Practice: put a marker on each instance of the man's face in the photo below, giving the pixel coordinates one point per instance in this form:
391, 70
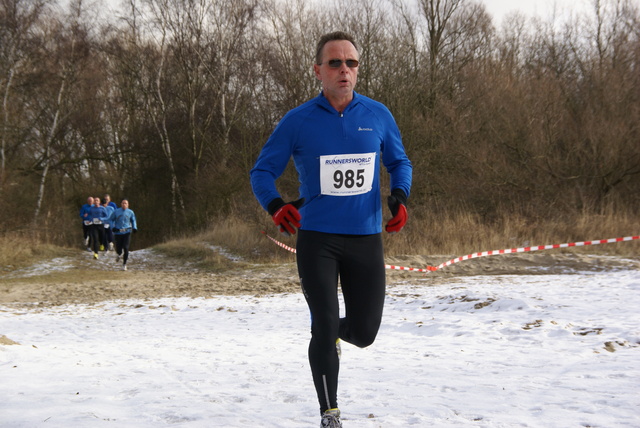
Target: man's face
125, 204
337, 83
96, 201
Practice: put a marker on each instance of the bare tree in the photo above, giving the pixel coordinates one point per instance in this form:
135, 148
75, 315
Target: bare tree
367, 21
438, 15
287, 53
156, 84
188, 24
172, 103
17, 18
230, 63
127, 54
64, 50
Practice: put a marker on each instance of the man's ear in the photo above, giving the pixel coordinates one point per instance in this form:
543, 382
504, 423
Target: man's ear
316, 70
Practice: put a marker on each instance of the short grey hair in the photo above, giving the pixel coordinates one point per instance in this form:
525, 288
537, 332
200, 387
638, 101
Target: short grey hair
329, 37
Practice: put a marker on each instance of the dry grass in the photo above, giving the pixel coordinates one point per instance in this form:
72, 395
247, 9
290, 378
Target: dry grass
214, 249
453, 235
248, 240
195, 251
21, 250
464, 233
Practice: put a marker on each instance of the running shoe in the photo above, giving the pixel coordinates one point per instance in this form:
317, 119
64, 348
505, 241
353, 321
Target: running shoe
124, 267
101, 247
331, 419
110, 246
95, 256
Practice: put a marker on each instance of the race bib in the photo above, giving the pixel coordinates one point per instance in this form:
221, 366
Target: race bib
347, 175
97, 221
87, 222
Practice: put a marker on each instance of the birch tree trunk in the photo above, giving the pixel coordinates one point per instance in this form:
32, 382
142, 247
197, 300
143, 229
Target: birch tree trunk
48, 141
159, 117
5, 124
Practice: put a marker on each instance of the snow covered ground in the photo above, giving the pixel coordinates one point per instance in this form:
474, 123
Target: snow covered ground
477, 351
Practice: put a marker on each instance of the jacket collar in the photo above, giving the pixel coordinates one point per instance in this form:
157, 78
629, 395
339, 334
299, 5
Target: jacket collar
324, 102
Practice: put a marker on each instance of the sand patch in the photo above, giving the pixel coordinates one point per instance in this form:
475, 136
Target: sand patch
81, 280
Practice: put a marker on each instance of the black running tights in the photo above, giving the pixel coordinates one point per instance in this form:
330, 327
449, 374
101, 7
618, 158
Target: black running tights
122, 245
96, 231
358, 262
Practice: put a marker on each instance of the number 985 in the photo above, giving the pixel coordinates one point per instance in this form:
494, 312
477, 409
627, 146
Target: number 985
349, 178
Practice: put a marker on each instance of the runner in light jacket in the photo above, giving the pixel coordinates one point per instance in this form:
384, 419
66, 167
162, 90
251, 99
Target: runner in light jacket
124, 223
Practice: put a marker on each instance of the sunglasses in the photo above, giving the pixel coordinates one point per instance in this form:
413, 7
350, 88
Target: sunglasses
337, 63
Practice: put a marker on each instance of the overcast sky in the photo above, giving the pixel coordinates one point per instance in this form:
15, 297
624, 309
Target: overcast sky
497, 8
542, 8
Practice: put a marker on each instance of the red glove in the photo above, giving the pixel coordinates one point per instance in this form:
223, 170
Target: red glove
286, 215
398, 221
397, 204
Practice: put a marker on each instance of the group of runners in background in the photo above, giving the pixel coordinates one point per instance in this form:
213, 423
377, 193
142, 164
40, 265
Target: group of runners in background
106, 227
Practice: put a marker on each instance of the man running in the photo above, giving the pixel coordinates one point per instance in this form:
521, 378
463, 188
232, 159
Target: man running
86, 221
124, 223
109, 208
337, 141
97, 215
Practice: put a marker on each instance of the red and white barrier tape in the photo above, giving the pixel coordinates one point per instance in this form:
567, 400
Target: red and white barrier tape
293, 250
535, 248
490, 253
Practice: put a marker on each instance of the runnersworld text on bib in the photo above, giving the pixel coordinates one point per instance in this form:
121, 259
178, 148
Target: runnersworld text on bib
347, 175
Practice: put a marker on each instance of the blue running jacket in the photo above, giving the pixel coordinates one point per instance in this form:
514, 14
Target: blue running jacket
337, 157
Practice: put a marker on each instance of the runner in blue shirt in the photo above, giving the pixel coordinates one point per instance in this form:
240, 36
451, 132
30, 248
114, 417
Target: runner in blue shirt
107, 199
108, 232
124, 223
97, 216
338, 140
86, 221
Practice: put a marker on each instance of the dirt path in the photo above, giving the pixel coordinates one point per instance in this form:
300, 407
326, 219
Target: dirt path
82, 280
